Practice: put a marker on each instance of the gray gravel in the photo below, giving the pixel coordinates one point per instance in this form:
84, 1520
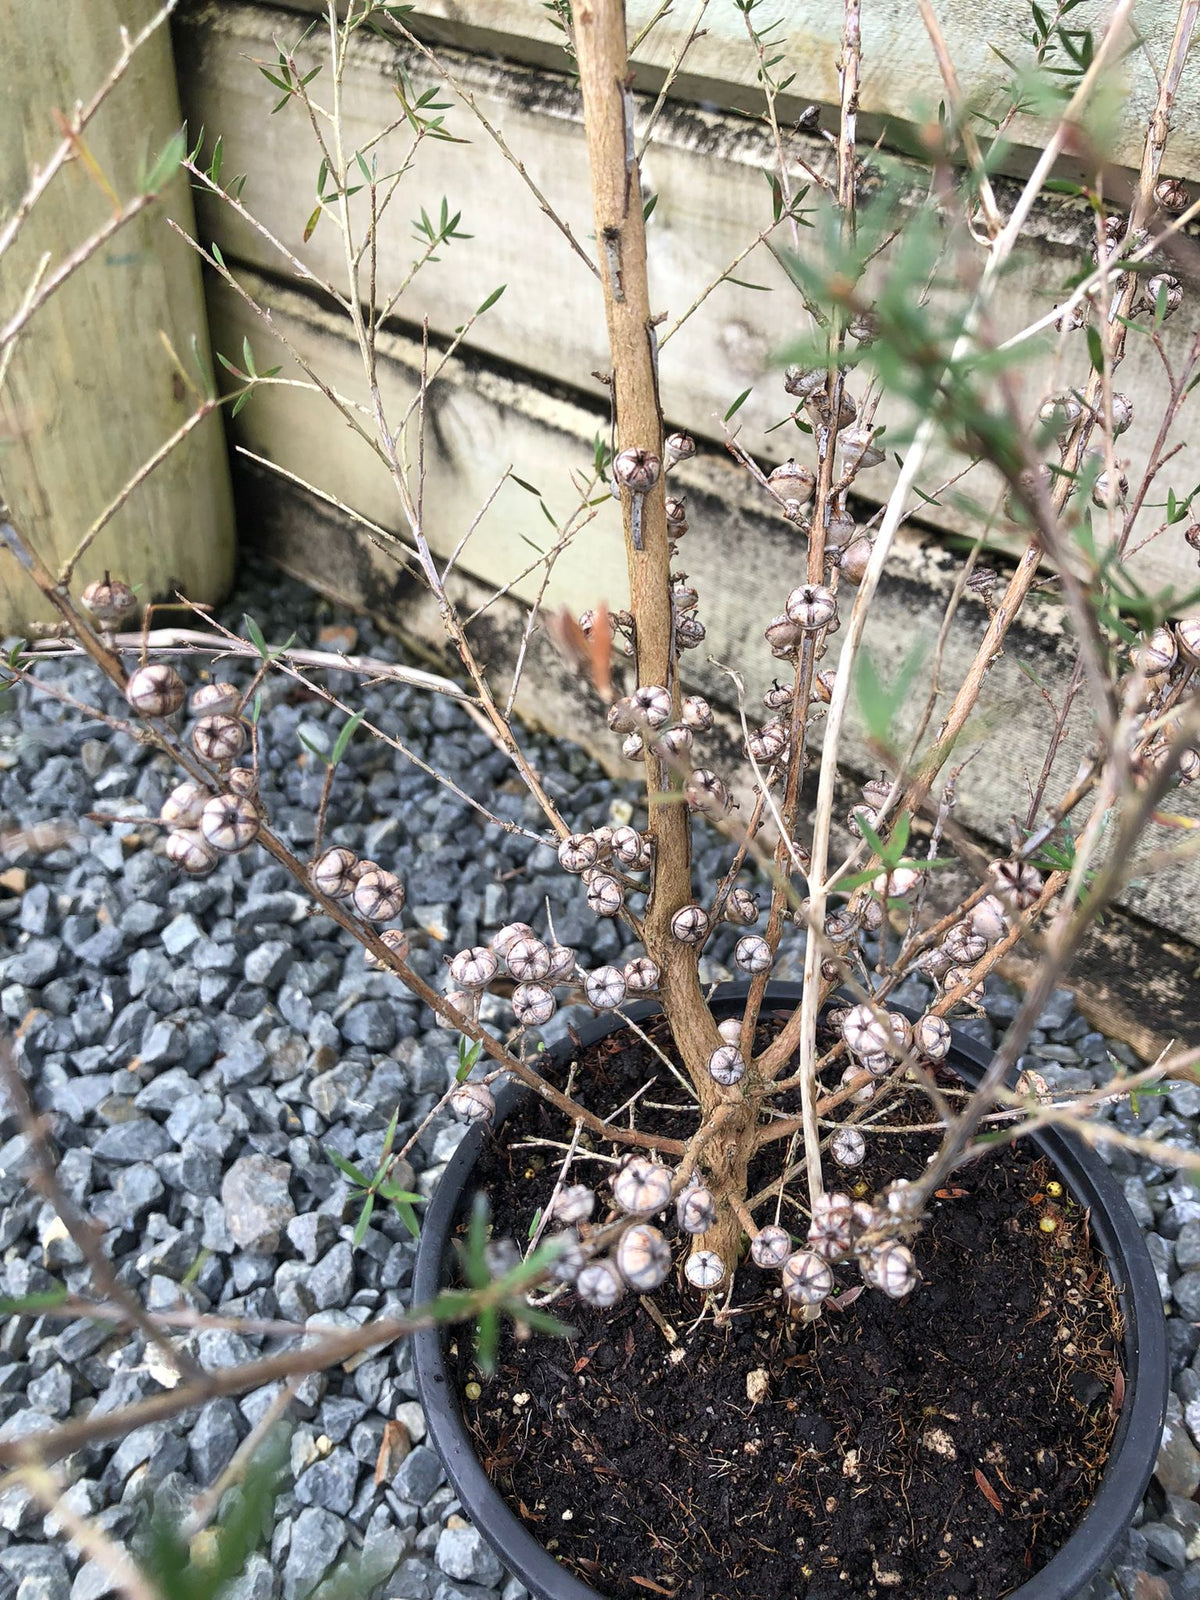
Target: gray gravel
197, 1045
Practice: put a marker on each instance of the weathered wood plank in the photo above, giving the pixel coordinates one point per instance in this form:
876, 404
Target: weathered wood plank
900, 79
706, 171
92, 392
741, 562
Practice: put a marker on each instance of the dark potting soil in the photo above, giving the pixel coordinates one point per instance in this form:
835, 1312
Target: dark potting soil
944, 1445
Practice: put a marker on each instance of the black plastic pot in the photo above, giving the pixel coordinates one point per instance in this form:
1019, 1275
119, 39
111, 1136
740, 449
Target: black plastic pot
1147, 1370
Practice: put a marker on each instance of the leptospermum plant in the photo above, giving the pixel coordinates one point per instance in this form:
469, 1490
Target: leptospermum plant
869, 344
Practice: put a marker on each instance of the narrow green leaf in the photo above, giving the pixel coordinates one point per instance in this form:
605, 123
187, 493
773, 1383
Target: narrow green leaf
167, 164
256, 636
348, 1168
491, 299
364, 1221
739, 403
310, 227
342, 743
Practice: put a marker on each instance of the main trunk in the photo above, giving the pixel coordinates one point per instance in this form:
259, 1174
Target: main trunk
600, 50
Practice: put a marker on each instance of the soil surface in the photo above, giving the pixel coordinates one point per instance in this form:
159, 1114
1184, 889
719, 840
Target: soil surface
944, 1445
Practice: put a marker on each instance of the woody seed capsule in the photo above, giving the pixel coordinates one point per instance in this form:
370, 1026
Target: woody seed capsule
242, 780
726, 1065
864, 1032
848, 1147
622, 717
858, 450
696, 713
577, 852
1110, 489
108, 600
730, 1029
678, 447
1171, 194
605, 988
806, 1278
182, 807
852, 563
831, 1230
643, 1257
1187, 637
705, 792
474, 968
637, 470
397, 942
931, 1035
891, 1268
1162, 286
690, 924
783, 635
1157, 655
768, 743
1016, 882
704, 1269
804, 381
696, 1209
509, 935
627, 846
690, 632
230, 822
863, 1094
741, 907
210, 698
753, 954
988, 919
473, 1102
675, 744
641, 976
642, 1186
562, 963
189, 850
574, 1203
633, 747
792, 481
379, 896
464, 1001
604, 894
528, 960
599, 1284
823, 684
155, 691
333, 873
811, 606
652, 705
770, 1246
533, 1005
219, 738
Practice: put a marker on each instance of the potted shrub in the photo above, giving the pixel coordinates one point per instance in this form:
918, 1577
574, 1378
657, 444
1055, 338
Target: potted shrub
795, 1209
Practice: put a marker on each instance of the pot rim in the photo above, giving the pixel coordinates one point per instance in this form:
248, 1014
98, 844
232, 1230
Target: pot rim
1139, 1428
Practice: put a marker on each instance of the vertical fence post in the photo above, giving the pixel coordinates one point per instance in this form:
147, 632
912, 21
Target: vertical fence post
93, 389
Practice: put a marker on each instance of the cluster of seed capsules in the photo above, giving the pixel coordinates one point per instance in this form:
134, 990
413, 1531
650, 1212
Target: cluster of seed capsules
1165, 659
538, 968
841, 1230
205, 821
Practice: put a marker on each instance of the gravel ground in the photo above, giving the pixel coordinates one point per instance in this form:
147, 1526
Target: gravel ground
198, 1044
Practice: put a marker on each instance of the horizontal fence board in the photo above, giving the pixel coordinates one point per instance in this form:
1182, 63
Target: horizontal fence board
901, 83
742, 563
705, 169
